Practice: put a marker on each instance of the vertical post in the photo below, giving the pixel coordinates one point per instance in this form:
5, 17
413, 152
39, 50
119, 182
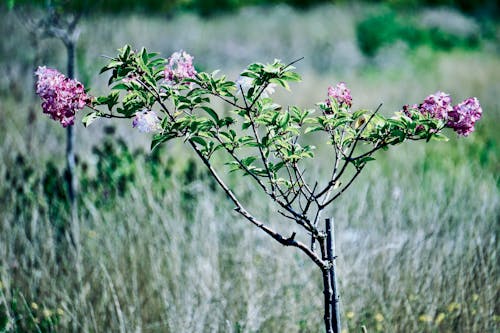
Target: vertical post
327, 289
330, 251
72, 182
70, 143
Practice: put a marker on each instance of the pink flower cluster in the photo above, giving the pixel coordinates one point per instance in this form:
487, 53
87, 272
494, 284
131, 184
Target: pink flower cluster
146, 121
461, 117
179, 67
464, 115
61, 96
341, 94
437, 105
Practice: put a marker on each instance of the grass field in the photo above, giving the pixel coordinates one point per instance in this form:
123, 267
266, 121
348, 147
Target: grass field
160, 250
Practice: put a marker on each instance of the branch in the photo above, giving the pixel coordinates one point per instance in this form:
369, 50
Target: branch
348, 158
358, 171
248, 171
262, 156
290, 241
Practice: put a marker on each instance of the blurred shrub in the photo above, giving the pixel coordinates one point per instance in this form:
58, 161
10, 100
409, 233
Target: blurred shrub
446, 28
441, 29
210, 7
378, 29
114, 171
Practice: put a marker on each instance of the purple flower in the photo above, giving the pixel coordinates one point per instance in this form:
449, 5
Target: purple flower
464, 115
437, 105
341, 94
409, 109
461, 118
146, 121
179, 67
61, 96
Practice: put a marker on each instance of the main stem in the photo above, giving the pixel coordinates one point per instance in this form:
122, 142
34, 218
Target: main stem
330, 251
330, 290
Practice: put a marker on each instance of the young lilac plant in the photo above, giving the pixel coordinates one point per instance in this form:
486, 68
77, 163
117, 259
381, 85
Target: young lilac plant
264, 140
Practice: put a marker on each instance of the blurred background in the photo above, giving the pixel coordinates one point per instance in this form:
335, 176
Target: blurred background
159, 248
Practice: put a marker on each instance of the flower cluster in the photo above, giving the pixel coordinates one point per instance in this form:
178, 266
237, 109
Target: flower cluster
464, 115
146, 121
244, 83
461, 117
341, 94
61, 96
437, 106
179, 67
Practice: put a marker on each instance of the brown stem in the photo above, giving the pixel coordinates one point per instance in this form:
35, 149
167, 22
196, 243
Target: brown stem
327, 290
330, 253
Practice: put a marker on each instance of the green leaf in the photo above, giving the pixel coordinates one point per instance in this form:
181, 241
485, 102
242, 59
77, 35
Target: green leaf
439, 137
246, 125
199, 140
313, 129
280, 82
212, 113
158, 139
227, 135
144, 56
366, 159
277, 166
292, 76
125, 52
120, 86
90, 118
284, 120
248, 160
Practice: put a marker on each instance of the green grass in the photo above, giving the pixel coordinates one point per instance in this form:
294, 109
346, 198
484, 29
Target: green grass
417, 235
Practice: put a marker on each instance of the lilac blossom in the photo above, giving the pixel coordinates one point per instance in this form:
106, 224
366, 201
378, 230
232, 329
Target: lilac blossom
61, 96
244, 83
464, 115
341, 94
409, 109
146, 121
461, 117
179, 67
437, 106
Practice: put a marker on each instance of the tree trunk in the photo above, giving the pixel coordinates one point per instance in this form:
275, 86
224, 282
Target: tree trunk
327, 291
71, 178
330, 251
330, 290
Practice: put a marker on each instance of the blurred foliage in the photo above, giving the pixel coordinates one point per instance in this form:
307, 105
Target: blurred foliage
385, 26
110, 177
210, 7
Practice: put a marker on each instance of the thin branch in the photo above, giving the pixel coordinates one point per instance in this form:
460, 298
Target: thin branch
262, 156
294, 62
290, 241
245, 168
358, 171
349, 157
